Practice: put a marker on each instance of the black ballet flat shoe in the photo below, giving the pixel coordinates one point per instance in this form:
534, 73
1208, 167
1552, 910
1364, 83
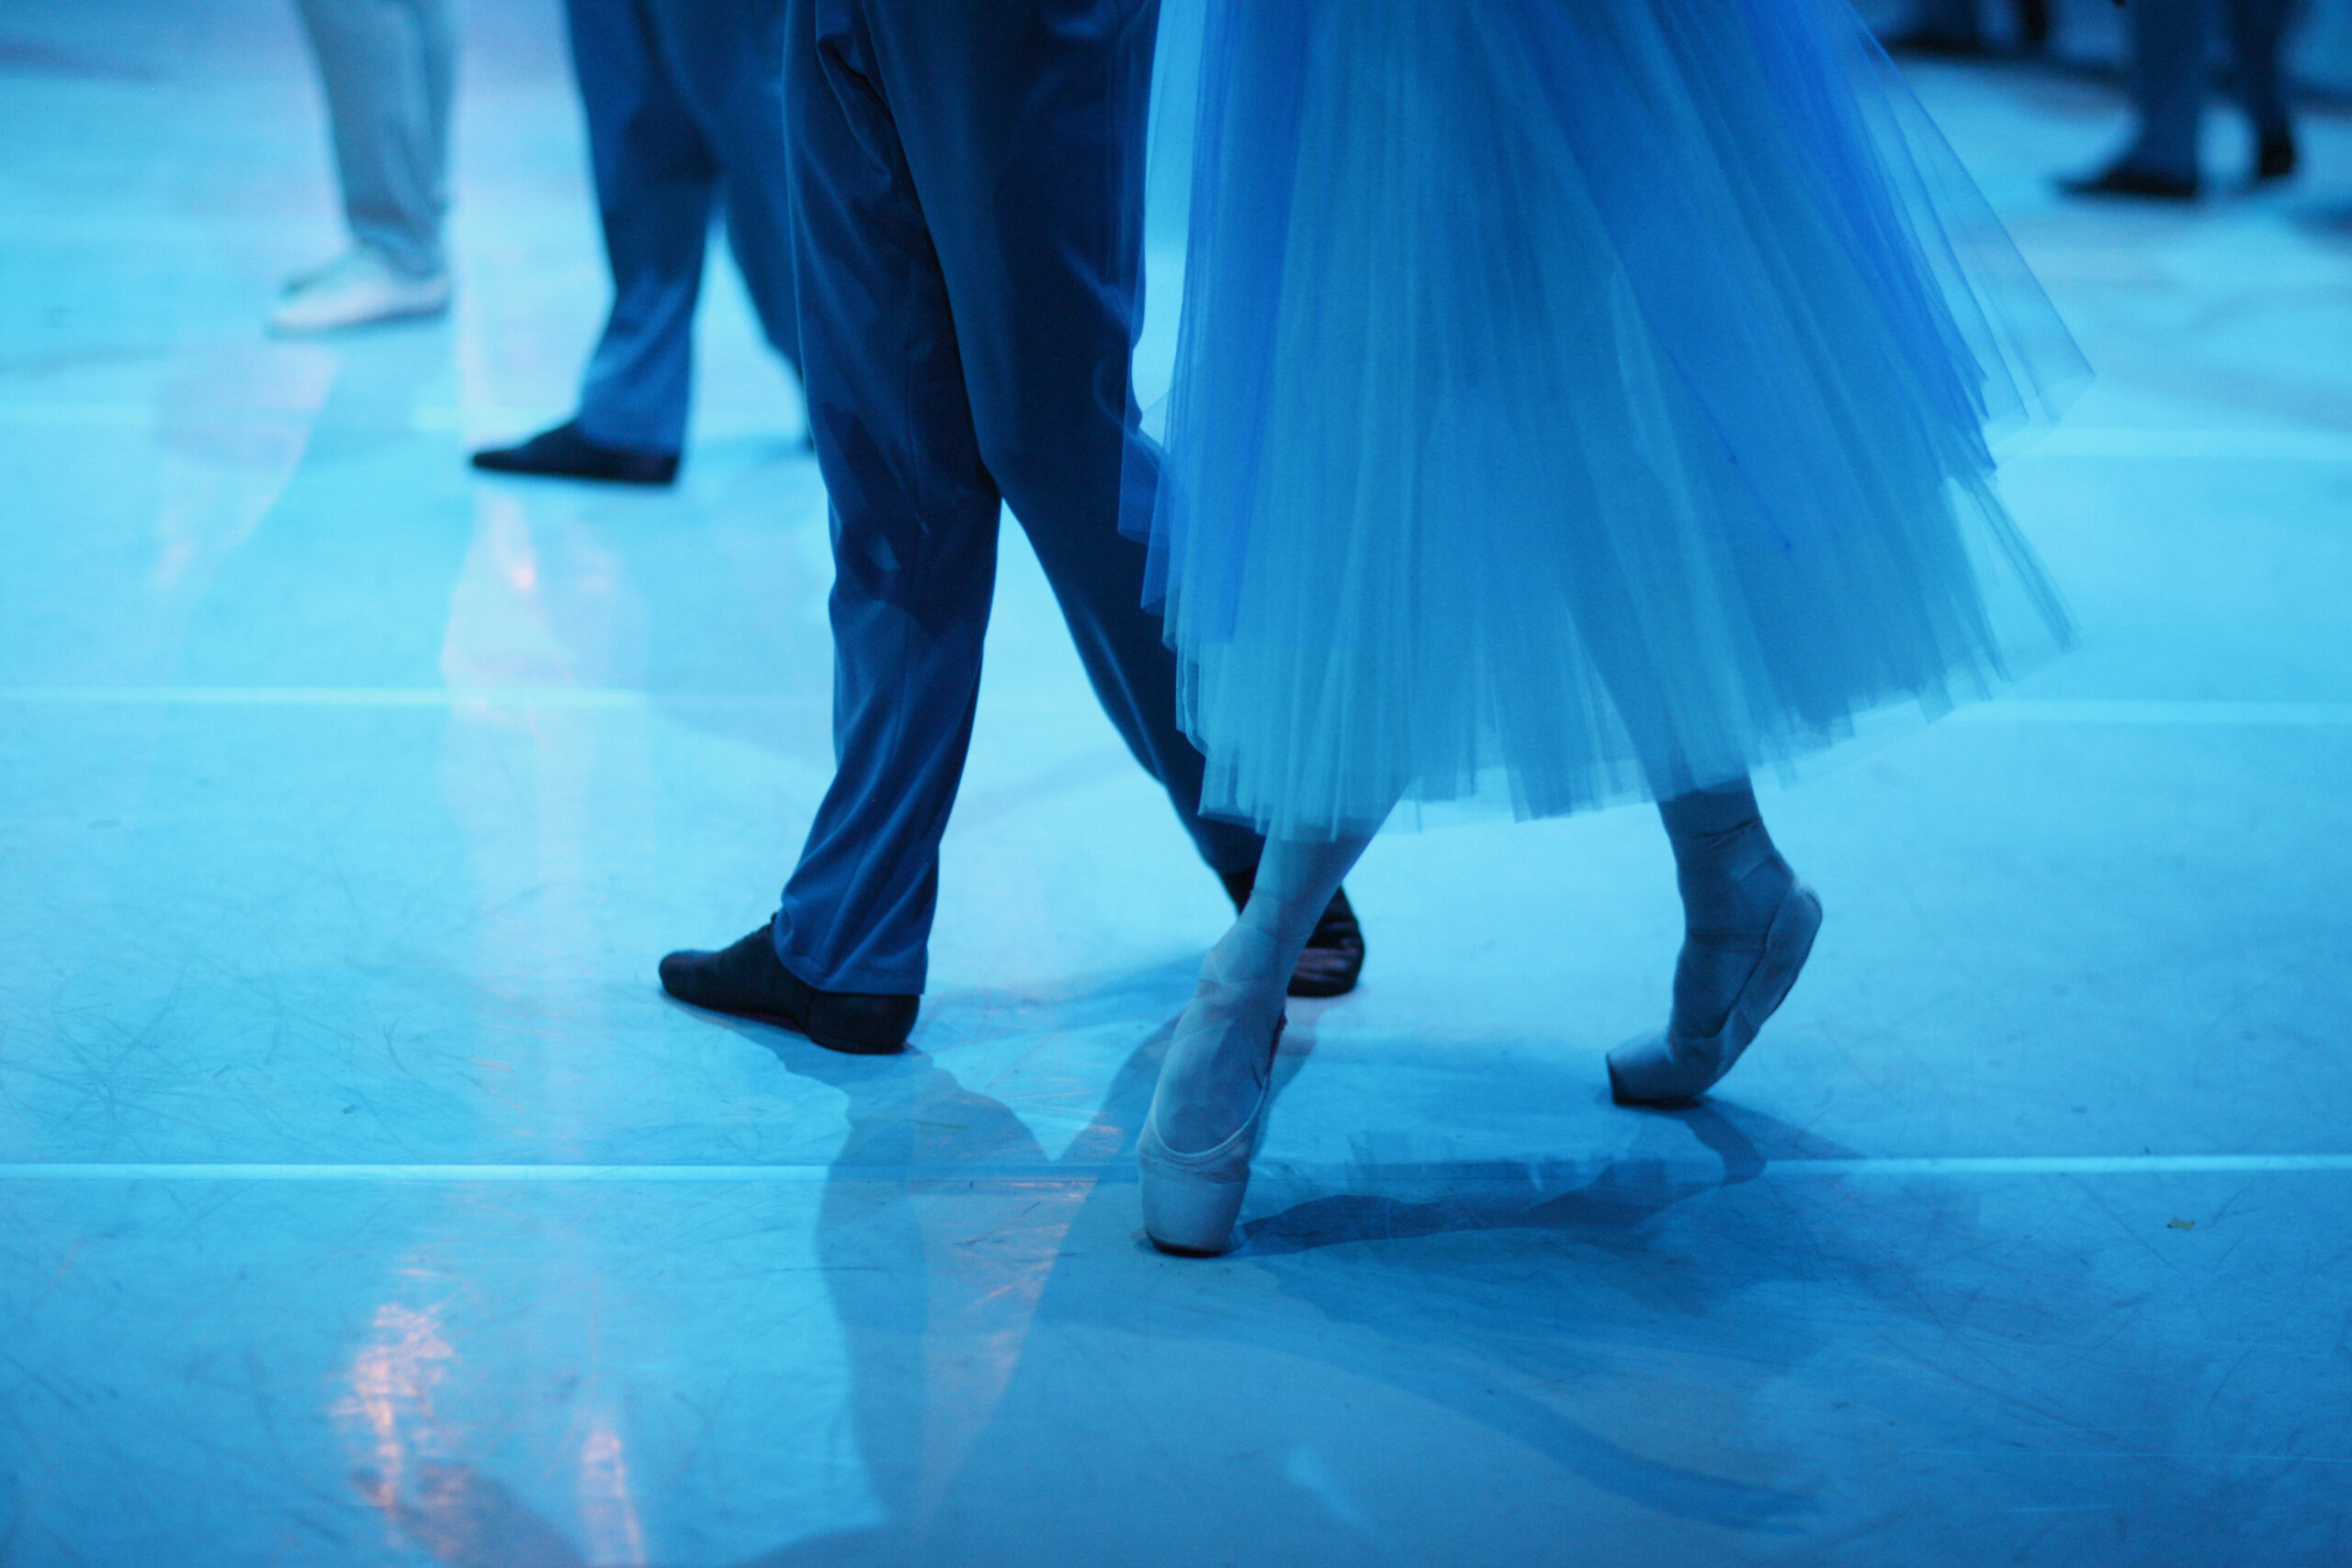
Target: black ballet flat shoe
1938, 43
2033, 23
564, 453
748, 980
1334, 958
2275, 156
2122, 179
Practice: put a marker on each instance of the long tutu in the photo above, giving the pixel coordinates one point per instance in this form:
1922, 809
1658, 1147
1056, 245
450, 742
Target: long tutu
1575, 400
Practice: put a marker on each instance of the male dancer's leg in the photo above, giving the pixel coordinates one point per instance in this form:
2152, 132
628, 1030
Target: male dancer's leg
726, 58
1026, 135
915, 518
2170, 40
2257, 29
656, 179
389, 70
1952, 24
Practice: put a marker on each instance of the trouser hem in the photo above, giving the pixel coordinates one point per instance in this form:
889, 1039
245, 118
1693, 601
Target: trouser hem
854, 980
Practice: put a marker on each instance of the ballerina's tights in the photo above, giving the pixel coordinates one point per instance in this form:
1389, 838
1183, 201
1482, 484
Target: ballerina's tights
1732, 880
1731, 877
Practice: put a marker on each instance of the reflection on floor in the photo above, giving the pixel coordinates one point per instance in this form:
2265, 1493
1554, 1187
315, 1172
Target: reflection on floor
364, 1204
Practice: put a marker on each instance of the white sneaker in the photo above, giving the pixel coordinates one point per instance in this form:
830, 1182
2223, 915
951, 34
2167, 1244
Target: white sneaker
356, 289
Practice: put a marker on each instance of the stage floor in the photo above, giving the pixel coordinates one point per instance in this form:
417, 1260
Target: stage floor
363, 1201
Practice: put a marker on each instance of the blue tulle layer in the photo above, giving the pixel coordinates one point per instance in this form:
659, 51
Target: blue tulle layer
1577, 399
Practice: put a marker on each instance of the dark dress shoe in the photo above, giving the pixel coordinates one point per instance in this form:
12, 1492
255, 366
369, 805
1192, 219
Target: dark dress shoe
2275, 157
749, 981
1334, 955
2033, 23
564, 453
2122, 179
1938, 43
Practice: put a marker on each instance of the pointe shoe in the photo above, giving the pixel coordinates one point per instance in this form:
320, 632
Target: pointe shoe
1189, 1200
1666, 1068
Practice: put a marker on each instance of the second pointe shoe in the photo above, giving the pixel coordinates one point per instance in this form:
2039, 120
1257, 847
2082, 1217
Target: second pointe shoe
1191, 1199
1669, 1068
748, 980
567, 454
1333, 961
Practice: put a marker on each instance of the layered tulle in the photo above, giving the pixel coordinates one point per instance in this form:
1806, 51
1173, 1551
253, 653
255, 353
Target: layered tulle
1577, 399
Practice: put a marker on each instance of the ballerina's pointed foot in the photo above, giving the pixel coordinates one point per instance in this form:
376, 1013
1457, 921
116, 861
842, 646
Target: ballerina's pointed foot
1672, 1066
1209, 1110
1189, 1200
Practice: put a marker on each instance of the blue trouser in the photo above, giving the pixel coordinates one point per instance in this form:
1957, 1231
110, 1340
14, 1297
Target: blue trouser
2171, 42
684, 98
1948, 18
969, 223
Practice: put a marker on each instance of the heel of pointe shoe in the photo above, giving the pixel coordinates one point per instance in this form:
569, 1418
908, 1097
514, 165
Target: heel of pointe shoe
1665, 1068
1189, 1200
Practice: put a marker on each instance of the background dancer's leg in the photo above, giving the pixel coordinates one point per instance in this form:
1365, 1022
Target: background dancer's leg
726, 60
2169, 82
2257, 29
389, 72
389, 67
657, 182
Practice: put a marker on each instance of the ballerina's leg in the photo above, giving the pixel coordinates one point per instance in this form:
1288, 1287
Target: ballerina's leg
1209, 1082
1732, 879
1210, 1106
1748, 928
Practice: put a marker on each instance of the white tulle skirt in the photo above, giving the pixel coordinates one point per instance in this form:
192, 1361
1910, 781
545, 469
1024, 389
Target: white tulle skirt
1575, 400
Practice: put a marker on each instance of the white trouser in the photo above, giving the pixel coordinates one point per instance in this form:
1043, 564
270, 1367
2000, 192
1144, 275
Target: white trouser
389, 67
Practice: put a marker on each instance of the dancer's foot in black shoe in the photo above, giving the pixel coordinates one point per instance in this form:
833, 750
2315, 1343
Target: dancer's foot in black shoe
2275, 156
2123, 179
564, 453
1334, 958
1939, 44
2033, 23
748, 980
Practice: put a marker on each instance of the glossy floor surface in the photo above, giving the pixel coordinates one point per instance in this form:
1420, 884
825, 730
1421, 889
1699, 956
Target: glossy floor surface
363, 1201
